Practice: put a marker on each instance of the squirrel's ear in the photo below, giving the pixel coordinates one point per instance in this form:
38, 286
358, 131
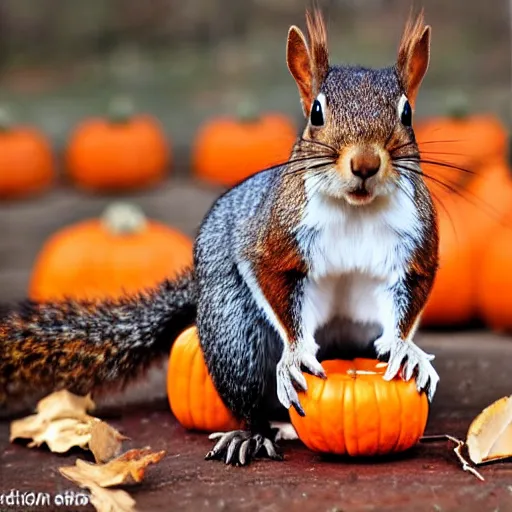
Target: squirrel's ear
299, 64
414, 56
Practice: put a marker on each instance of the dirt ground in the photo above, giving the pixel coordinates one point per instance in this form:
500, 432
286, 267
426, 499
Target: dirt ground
427, 478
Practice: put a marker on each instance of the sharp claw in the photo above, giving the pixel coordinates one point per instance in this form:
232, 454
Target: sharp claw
409, 370
223, 442
298, 378
312, 364
216, 435
258, 444
269, 447
298, 408
231, 450
242, 453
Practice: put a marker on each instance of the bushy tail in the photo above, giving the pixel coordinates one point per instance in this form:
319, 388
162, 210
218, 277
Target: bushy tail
84, 346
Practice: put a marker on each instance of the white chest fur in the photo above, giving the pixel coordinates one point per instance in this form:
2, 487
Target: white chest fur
357, 255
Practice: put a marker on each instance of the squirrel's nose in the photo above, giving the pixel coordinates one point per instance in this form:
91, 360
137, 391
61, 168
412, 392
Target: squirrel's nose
365, 163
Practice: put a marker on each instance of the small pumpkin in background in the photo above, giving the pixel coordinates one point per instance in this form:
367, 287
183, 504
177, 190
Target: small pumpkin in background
452, 300
229, 149
489, 199
356, 412
192, 396
26, 159
461, 139
121, 253
494, 281
121, 152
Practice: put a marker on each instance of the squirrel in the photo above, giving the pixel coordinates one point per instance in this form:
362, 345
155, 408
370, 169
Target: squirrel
345, 230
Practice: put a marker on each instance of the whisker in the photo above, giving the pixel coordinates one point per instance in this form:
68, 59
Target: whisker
420, 142
295, 160
319, 143
440, 163
401, 146
405, 191
468, 196
451, 187
441, 153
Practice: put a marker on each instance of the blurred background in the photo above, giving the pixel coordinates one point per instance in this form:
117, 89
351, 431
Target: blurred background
62, 61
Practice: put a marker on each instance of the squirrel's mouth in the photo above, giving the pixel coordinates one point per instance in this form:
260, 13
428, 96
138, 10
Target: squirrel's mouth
360, 195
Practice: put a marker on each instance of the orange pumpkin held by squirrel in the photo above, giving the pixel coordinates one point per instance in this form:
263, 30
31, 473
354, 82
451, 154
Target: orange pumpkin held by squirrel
26, 159
121, 152
356, 412
229, 149
121, 253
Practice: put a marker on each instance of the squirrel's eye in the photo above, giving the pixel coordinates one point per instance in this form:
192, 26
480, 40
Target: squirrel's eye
317, 114
405, 111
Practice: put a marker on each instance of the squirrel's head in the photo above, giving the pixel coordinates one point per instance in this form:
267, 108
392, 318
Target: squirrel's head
359, 121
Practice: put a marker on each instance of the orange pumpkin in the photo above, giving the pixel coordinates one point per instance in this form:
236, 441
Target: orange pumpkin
227, 150
356, 412
26, 160
121, 253
489, 198
460, 139
192, 395
494, 280
452, 300
122, 152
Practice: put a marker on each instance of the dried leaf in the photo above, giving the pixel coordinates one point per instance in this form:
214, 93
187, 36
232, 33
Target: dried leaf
105, 442
62, 434
128, 468
63, 404
62, 422
103, 500
111, 500
490, 434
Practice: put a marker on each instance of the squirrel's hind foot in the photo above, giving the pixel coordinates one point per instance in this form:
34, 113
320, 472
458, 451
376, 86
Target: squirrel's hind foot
239, 447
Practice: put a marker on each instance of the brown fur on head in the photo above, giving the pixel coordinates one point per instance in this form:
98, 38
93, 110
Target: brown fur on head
414, 54
358, 117
308, 64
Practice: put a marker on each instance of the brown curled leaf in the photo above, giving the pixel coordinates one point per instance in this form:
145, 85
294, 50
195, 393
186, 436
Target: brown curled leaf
489, 436
128, 468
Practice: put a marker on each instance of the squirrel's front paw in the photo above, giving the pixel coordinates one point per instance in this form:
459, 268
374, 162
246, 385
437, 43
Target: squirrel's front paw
411, 359
290, 377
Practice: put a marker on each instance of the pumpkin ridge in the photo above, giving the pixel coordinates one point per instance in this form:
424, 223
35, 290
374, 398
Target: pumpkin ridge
355, 399
323, 424
190, 389
315, 433
190, 367
379, 422
397, 442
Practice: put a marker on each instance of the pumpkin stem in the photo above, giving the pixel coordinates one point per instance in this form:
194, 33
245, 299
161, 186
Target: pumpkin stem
123, 219
120, 109
247, 112
5, 119
457, 106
